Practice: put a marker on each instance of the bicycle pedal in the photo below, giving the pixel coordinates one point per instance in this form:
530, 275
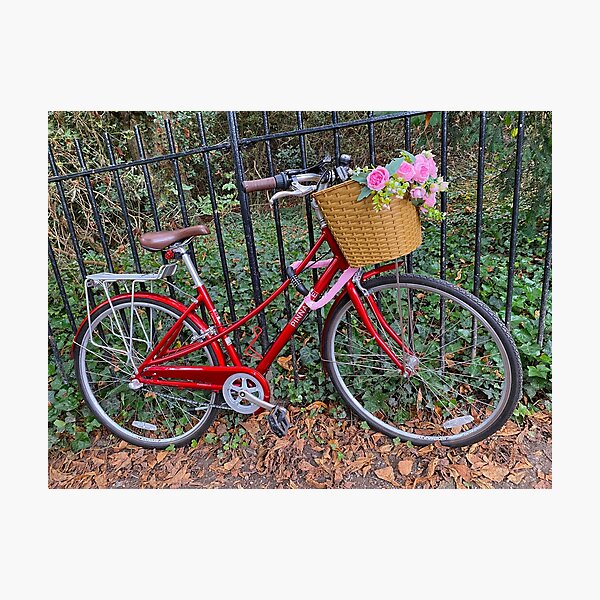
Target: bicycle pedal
278, 421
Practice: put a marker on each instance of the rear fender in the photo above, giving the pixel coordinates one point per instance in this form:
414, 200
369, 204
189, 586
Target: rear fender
178, 306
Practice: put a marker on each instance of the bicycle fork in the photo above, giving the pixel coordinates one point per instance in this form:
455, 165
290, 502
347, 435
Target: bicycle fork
411, 362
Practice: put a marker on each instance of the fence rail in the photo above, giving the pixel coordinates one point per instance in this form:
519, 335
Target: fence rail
236, 146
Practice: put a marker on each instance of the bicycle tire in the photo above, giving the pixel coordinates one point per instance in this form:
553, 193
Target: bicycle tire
102, 323
342, 378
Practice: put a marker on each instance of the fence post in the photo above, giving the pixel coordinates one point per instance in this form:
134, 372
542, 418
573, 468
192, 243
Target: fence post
56, 353
546, 281
515, 219
238, 166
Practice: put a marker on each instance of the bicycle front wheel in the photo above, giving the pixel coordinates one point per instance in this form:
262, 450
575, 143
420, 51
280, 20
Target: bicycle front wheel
466, 373
111, 344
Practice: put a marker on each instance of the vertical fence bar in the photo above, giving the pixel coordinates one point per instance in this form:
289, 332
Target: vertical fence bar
67, 213
97, 220
407, 134
56, 353
336, 138
178, 184
151, 199
123, 205
443, 233
478, 223
94, 207
372, 156
515, 219
72, 235
61, 288
309, 221
280, 246
147, 179
479, 211
546, 281
247, 223
408, 262
444, 195
218, 232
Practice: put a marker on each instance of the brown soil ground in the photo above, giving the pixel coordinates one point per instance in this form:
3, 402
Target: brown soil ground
319, 451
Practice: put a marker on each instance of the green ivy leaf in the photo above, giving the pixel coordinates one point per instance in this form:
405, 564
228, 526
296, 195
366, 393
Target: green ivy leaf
538, 371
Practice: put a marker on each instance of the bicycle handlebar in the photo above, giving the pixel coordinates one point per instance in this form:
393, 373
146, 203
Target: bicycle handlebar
279, 182
283, 181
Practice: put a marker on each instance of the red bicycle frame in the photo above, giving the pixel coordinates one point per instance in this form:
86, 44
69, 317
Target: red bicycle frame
155, 371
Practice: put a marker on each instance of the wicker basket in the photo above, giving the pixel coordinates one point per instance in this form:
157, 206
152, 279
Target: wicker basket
364, 235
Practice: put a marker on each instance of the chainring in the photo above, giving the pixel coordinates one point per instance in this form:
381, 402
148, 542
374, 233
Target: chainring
242, 382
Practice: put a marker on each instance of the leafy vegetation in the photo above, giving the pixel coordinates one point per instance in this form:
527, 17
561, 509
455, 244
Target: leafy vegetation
70, 423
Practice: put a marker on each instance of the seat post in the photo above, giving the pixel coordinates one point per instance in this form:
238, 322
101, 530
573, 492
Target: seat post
187, 259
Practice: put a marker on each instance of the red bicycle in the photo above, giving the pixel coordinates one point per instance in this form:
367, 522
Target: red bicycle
417, 358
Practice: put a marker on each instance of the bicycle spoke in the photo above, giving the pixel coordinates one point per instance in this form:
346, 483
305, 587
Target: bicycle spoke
152, 411
452, 376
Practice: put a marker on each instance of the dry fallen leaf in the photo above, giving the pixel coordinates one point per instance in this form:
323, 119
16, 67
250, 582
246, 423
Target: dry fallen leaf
516, 478
524, 464
405, 467
285, 362
359, 463
431, 467
475, 461
251, 426
462, 470
386, 474
543, 485
509, 429
228, 466
494, 472
314, 483
304, 465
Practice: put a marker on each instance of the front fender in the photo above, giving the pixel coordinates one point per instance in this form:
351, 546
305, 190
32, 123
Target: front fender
175, 304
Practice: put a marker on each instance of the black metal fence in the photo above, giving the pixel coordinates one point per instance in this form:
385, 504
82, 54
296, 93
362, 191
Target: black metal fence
236, 146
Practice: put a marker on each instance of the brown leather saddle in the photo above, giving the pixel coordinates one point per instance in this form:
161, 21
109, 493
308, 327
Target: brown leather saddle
159, 240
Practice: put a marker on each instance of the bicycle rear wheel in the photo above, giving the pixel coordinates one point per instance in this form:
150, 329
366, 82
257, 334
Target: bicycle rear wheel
467, 377
116, 339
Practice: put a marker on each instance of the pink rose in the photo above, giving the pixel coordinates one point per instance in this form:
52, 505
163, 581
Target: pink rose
417, 192
433, 188
443, 186
377, 178
421, 169
430, 200
432, 167
406, 171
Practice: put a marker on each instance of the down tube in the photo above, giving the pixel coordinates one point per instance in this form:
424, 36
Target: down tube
337, 264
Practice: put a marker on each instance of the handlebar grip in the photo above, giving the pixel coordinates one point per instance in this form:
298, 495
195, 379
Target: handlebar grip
280, 182
257, 185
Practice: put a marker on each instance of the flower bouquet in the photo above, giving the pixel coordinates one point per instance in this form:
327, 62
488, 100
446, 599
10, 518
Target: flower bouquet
417, 175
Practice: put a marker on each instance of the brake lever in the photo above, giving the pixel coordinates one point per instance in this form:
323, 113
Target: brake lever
298, 190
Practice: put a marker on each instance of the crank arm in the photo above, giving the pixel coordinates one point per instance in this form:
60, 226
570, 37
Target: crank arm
255, 400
